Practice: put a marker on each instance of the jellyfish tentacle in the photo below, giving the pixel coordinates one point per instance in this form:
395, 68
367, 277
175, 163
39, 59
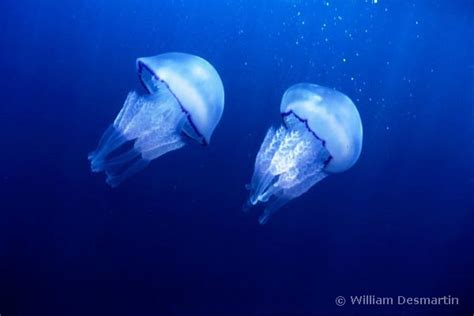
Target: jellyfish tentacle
109, 135
114, 179
110, 141
271, 208
123, 158
265, 182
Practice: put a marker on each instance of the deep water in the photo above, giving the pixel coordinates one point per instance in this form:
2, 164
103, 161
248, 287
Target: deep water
172, 240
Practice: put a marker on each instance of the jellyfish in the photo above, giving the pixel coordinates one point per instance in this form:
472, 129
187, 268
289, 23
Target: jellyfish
184, 103
321, 134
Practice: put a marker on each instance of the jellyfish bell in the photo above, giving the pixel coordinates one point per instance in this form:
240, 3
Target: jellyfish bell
195, 84
321, 134
185, 103
331, 116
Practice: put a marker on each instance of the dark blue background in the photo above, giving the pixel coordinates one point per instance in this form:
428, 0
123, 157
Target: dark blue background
172, 240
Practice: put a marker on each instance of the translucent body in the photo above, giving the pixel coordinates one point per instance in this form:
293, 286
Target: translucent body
152, 125
332, 116
322, 134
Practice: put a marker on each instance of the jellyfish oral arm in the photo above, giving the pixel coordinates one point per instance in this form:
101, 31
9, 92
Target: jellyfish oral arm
290, 161
146, 128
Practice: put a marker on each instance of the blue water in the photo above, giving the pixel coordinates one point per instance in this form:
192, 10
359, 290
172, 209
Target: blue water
172, 240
